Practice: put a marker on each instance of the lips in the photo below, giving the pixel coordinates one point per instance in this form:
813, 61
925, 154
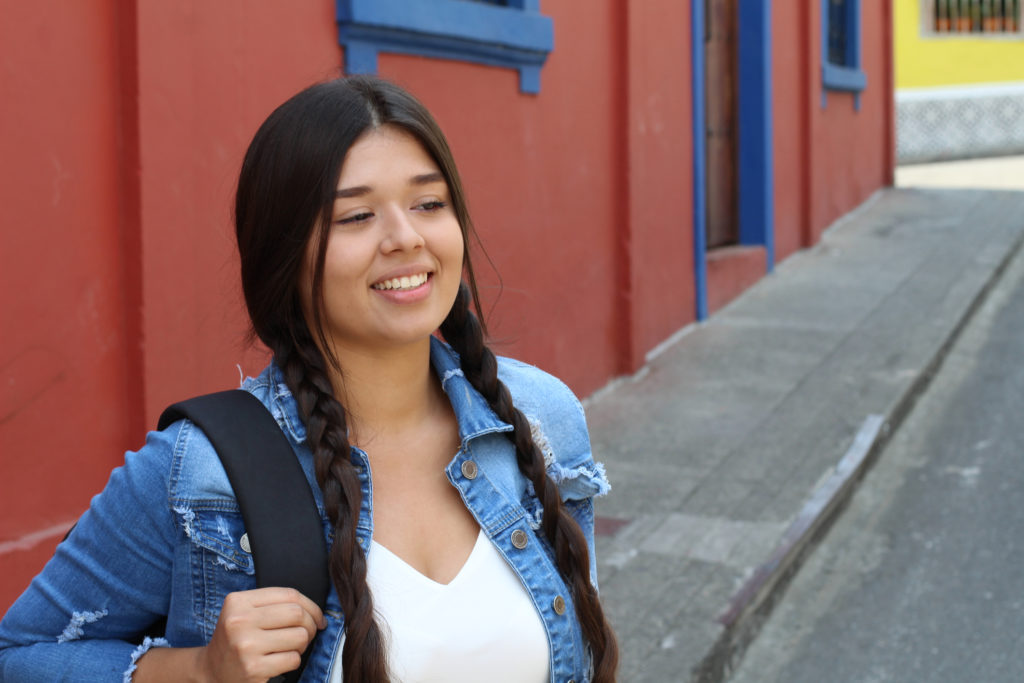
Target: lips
406, 282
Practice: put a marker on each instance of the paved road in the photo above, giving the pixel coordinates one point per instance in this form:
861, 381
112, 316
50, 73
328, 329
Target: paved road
922, 578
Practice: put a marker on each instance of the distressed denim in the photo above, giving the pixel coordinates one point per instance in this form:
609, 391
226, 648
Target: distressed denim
164, 536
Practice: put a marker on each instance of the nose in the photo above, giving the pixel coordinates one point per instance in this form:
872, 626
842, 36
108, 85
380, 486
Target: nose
400, 232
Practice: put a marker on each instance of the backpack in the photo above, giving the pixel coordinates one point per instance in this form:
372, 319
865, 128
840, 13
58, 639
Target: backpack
278, 509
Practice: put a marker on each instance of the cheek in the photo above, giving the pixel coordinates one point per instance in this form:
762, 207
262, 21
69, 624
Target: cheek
455, 246
347, 260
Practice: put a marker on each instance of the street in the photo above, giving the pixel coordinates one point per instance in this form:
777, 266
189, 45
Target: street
920, 578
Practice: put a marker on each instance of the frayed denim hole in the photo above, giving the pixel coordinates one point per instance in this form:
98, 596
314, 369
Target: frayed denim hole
188, 516
531, 505
75, 628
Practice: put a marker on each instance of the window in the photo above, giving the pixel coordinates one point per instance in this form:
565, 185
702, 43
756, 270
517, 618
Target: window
840, 48
980, 18
506, 33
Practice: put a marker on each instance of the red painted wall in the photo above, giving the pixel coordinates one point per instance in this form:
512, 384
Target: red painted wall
827, 160
122, 130
846, 171
64, 390
141, 288
794, 70
209, 74
660, 174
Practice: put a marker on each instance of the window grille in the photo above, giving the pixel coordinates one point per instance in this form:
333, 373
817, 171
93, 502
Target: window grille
976, 17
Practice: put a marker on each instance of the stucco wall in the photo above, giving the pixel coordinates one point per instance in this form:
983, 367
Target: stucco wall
123, 127
831, 153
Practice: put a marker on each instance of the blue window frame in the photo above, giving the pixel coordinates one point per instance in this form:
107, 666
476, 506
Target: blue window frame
507, 33
840, 49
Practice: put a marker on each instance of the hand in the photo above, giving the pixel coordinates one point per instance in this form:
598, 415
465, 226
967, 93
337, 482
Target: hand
260, 634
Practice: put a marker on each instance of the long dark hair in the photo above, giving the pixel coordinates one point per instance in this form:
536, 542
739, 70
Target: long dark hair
285, 197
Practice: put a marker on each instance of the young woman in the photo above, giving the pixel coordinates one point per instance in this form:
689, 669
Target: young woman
455, 487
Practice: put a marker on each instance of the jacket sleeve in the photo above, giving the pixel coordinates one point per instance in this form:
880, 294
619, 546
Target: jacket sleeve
82, 617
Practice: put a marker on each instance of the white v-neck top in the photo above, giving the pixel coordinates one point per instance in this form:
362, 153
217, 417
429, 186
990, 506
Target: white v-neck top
482, 626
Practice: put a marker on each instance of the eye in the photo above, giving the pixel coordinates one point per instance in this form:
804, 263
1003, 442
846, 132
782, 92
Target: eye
431, 205
360, 217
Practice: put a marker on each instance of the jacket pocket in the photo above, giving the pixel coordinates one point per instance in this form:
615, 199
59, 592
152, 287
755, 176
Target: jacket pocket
220, 559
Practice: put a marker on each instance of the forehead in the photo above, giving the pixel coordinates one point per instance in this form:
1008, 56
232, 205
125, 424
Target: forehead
385, 154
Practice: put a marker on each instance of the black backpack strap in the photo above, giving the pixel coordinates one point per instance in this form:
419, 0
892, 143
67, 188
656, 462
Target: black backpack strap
277, 505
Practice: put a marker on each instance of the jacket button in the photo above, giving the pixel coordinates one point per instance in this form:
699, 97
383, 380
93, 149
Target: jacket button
559, 604
519, 538
469, 469
244, 542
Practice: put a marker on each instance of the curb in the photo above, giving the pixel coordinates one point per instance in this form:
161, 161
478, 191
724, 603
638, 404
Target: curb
753, 603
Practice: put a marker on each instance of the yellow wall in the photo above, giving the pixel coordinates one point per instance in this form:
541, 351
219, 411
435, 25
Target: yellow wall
923, 61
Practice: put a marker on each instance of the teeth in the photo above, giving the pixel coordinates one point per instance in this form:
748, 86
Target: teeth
410, 282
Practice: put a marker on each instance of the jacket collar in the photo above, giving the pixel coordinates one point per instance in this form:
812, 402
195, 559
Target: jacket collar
474, 416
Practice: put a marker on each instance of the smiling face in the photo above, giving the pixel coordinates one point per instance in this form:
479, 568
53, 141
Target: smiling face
393, 259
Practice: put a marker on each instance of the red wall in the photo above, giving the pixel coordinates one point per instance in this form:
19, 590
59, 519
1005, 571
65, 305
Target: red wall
796, 78
209, 74
123, 127
122, 132
660, 175
64, 389
827, 160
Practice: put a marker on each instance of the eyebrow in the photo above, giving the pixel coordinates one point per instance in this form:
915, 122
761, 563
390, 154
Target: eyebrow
360, 190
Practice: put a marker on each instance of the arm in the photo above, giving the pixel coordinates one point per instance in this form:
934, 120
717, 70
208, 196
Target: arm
260, 634
81, 618
106, 583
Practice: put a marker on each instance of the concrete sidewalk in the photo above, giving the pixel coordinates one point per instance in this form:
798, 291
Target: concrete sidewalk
733, 448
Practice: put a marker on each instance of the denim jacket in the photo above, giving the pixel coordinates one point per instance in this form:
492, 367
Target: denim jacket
165, 535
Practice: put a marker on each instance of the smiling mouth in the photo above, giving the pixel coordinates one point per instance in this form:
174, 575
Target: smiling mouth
402, 283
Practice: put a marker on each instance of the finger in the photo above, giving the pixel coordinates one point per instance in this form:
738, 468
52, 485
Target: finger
278, 663
293, 639
285, 615
276, 594
256, 644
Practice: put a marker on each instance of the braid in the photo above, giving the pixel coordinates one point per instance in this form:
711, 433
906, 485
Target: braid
362, 658
463, 331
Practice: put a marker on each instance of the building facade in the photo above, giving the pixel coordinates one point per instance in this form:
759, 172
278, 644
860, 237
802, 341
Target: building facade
630, 168
959, 79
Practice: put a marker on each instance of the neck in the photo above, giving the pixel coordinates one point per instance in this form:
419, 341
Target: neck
386, 391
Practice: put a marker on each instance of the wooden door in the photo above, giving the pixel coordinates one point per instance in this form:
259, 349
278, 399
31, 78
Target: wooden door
720, 49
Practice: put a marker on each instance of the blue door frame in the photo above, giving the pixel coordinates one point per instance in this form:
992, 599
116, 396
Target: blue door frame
755, 172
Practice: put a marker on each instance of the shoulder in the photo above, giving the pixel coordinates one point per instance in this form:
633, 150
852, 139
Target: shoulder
196, 470
558, 426
530, 383
272, 390
546, 399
